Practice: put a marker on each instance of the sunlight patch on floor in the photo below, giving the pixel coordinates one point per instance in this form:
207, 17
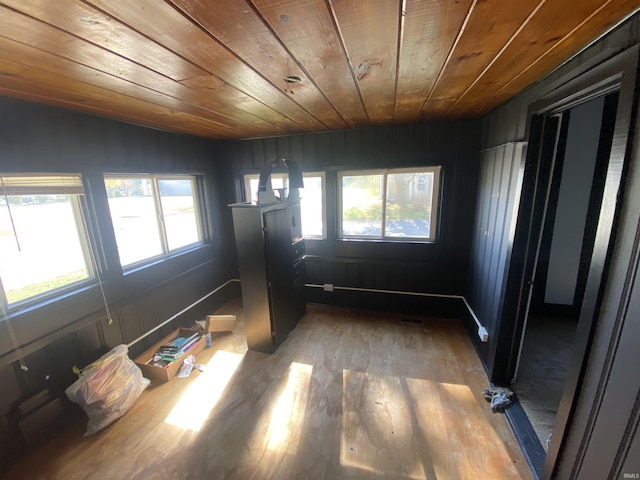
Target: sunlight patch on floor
377, 426
437, 416
289, 410
195, 406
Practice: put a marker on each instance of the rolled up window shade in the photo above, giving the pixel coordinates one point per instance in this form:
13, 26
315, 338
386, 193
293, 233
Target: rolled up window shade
41, 185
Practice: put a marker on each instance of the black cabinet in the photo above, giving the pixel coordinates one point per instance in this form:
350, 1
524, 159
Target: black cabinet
271, 260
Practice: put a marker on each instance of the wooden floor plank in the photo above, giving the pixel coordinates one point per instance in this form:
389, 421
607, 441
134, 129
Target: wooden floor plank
349, 394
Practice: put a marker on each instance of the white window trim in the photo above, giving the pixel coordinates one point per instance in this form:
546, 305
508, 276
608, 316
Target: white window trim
246, 179
53, 184
155, 177
435, 203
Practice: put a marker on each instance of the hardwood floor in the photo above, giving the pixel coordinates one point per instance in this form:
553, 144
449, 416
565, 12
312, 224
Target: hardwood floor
349, 394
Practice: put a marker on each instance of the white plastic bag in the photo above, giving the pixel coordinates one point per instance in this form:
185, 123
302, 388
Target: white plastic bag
107, 388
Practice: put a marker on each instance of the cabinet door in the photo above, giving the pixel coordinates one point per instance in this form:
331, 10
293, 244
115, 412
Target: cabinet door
278, 252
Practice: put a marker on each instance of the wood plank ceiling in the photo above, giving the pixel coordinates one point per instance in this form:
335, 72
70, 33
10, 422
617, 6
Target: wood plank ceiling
216, 68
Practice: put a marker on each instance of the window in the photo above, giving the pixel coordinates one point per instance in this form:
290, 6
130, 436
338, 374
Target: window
152, 215
390, 204
44, 247
312, 200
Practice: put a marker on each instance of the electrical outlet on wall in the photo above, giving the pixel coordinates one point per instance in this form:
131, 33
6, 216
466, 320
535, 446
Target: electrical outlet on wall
483, 334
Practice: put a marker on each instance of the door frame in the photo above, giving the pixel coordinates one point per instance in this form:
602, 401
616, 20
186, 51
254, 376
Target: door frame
615, 74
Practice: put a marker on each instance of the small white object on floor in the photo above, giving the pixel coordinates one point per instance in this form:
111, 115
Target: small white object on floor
187, 366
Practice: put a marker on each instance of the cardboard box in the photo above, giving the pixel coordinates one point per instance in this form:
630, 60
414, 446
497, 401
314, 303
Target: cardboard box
218, 323
164, 374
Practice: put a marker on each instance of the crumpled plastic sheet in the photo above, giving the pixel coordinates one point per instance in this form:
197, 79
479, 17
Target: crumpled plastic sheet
107, 388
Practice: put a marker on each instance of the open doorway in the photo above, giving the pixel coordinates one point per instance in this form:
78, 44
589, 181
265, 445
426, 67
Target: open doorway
612, 82
577, 143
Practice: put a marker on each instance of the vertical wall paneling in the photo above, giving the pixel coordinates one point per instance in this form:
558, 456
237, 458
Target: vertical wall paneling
369, 152
257, 154
296, 149
73, 330
352, 150
418, 143
271, 150
502, 193
508, 199
129, 317
498, 194
245, 155
113, 332
385, 149
492, 233
480, 232
401, 142
323, 151
439, 267
283, 148
338, 148
11, 390
65, 354
91, 343
310, 151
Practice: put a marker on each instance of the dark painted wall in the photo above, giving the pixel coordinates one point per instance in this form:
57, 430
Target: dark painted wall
435, 268
499, 184
603, 428
74, 330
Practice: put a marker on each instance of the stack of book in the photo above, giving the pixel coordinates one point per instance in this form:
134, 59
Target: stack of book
176, 348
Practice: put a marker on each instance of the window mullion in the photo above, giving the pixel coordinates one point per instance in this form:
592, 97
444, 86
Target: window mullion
160, 215
200, 208
4, 302
83, 234
384, 205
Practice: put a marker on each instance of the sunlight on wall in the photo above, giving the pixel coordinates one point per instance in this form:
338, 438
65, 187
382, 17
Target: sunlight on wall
290, 408
196, 404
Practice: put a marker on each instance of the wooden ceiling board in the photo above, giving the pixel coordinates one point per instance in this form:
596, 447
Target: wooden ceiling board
307, 30
496, 26
550, 46
430, 29
43, 36
370, 32
236, 25
166, 25
69, 56
58, 69
20, 78
52, 97
211, 88
217, 68
87, 23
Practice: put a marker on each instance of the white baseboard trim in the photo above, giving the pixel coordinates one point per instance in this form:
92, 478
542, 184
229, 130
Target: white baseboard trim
201, 299
483, 334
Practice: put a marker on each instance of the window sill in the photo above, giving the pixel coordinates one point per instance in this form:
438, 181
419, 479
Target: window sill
416, 241
160, 259
54, 298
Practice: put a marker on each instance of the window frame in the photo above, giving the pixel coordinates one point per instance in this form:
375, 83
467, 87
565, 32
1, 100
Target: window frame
434, 225
159, 215
80, 211
246, 185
